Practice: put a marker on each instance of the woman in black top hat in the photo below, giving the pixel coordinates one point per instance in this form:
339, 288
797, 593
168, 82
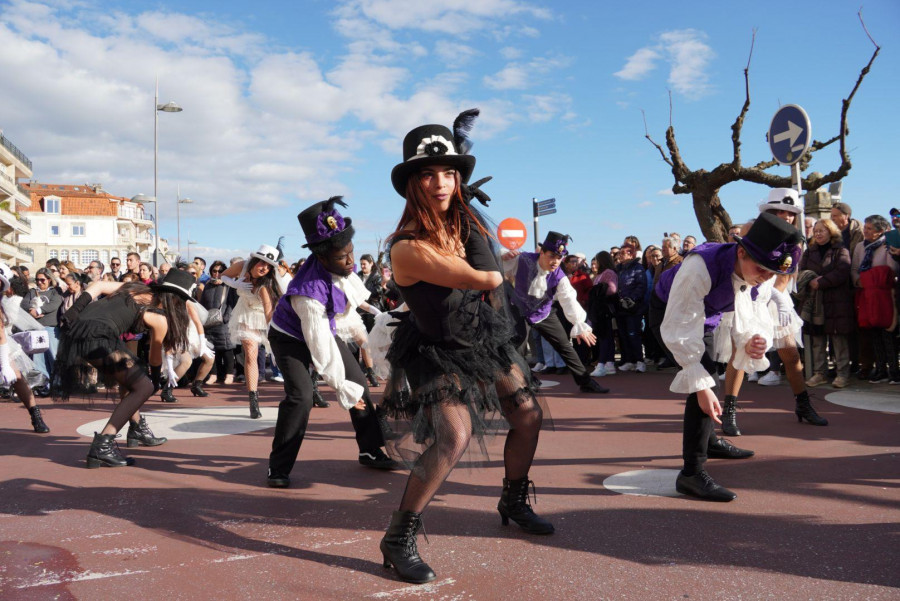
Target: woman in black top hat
92, 339
454, 348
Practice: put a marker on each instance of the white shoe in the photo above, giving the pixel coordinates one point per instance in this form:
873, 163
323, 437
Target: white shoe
627, 367
640, 367
538, 368
753, 377
722, 376
610, 368
770, 379
599, 371
277, 379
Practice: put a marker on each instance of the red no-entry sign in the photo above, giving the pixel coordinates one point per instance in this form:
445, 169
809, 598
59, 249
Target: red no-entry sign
511, 233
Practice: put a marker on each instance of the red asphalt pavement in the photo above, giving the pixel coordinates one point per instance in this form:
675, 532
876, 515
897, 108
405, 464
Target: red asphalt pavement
817, 515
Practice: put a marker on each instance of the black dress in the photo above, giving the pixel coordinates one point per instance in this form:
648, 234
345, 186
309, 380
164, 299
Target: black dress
94, 340
453, 346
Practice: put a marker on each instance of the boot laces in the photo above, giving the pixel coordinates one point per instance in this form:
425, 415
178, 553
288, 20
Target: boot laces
523, 495
412, 529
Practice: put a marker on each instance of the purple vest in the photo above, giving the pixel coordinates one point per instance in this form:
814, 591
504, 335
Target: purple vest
534, 309
315, 282
720, 260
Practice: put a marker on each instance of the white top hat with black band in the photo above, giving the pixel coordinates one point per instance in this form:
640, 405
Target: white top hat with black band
267, 253
782, 199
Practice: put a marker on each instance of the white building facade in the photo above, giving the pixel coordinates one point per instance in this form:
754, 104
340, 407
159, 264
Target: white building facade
14, 202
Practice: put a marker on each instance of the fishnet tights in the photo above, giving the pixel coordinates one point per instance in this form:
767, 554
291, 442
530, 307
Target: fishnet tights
453, 430
251, 370
134, 387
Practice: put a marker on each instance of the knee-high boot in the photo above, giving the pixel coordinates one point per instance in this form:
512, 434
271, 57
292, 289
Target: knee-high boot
729, 417
255, 413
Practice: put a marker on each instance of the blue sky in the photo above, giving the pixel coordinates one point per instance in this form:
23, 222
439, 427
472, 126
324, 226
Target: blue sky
288, 103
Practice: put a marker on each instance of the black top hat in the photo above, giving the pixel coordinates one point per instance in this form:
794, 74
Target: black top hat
436, 145
556, 242
178, 282
322, 221
773, 243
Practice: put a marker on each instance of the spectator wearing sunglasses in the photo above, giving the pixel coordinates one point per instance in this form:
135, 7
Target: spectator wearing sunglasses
115, 268
216, 295
42, 302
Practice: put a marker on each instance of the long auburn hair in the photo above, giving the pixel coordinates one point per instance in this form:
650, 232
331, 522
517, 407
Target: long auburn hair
443, 232
173, 306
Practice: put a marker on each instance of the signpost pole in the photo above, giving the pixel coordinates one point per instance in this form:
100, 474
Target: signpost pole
537, 238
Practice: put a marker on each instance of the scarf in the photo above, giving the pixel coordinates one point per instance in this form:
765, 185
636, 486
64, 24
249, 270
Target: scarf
869, 250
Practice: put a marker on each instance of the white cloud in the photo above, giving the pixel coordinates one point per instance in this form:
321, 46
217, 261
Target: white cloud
546, 107
456, 17
688, 56
665, 192
645, 204
510, 53
454, 53
519, 76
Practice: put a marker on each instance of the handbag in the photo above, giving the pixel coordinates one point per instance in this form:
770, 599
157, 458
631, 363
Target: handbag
33, 342
214, 317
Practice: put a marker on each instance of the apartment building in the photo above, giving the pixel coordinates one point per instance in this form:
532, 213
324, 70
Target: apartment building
15, 201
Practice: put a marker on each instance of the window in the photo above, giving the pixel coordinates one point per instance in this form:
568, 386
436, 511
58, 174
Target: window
64, 255
104, 257
78, 229
74, 257
51, 204
54, 254
90, 255
54, 230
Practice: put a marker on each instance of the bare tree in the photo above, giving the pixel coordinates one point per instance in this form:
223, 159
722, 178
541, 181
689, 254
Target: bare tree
704, 186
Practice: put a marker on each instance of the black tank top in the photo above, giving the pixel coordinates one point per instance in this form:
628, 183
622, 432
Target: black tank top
119, 312
445, 315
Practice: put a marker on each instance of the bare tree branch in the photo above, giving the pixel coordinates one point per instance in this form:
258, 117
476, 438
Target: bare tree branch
739, 122
658, 147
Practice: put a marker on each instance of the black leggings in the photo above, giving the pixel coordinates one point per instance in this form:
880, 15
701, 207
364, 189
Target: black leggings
224, 364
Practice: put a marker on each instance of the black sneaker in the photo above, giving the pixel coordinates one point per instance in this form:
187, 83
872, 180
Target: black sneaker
377, 459
593, 386
723, 449
878, 377
275, 480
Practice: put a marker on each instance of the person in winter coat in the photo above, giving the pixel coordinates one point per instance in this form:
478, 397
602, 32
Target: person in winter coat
832, 315
216, 295
42, 302
632, 306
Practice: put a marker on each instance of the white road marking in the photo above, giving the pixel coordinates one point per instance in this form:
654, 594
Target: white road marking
197, 422
870, 401
417, 590
643, 483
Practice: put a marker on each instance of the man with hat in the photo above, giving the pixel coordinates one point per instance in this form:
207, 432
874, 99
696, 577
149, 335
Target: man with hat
539, 281
717, 287
302, 332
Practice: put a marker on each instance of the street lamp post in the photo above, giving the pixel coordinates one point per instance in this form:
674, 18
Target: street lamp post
180, 201
189, 242
169, 107
142, 198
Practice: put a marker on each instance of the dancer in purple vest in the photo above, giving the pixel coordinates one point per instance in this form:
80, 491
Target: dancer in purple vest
539, 282
716, 288
302, 332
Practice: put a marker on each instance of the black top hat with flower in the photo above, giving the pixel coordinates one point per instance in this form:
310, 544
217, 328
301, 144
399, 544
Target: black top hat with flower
556, 243
436, 145
773, 243
177, 281
322, 222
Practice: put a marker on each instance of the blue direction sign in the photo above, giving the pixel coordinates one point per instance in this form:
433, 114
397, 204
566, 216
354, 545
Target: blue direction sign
790, 134
544, 207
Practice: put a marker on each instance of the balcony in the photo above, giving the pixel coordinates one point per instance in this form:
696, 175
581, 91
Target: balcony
15, 151
7, 217
16, 252
10, 189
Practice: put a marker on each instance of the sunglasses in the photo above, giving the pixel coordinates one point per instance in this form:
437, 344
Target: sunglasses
215, 271
115, 264
41, 280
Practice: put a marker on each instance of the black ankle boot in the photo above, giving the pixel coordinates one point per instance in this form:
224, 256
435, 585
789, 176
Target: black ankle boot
197, 388
729, 417
514, 506
166, 395
370, 377
255, 413
139, 433
105, 452
805, 411
37, 422
400, 550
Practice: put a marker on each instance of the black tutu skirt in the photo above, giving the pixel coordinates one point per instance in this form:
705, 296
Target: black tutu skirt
89, 352
487, 375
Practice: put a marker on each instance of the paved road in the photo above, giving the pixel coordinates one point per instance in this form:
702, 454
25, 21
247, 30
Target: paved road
817, 516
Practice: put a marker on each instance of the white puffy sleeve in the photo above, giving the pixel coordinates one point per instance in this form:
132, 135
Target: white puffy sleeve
355, 290
682, 326
574, 312
323, 348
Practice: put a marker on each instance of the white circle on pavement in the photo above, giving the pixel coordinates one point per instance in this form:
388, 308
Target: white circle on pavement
644, 483
549, 383
870, 401
197, 422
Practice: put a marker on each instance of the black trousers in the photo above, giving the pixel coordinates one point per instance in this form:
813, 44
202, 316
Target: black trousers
293, 359
698, 430
553, 332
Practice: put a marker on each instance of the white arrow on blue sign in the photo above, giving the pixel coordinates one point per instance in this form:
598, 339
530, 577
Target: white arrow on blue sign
790, 134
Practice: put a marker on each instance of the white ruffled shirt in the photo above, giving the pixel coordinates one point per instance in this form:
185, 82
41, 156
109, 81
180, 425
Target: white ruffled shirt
683, 325
323, 348
565, 295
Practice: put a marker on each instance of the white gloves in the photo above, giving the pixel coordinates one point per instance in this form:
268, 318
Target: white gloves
205, 351
171, 376
373, 310
236, 284
7, 373
785, 306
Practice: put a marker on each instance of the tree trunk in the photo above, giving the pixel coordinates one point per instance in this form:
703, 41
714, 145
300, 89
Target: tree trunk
711, 215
